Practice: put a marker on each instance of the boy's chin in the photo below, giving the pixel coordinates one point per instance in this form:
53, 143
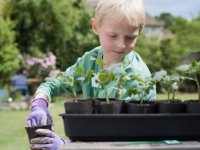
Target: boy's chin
117, 59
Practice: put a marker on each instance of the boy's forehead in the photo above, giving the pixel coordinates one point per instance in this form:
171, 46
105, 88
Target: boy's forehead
120, 20
127, 32
112, 24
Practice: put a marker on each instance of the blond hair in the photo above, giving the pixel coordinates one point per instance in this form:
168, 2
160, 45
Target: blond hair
131, 10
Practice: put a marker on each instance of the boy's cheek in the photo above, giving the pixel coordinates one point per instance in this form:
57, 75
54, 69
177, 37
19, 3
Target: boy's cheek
107, 45
132, 45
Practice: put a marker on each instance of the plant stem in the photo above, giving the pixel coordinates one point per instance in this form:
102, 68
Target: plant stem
141, 101
168, 93
173, 94
106, 95
97, 92
118, 90
74, 96
142, 98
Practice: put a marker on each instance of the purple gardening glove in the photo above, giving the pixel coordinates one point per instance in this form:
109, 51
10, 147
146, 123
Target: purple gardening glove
49, 141
39, 114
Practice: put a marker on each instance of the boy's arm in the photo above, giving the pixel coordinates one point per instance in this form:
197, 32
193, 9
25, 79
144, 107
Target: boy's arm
39, 107
54, 86
40, 95
39, 114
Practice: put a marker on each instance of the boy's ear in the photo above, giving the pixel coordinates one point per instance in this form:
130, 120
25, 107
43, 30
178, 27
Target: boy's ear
94, 26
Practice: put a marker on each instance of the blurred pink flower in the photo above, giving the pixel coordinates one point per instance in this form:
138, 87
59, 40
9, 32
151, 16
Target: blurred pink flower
30, 62
47, 64
52, 58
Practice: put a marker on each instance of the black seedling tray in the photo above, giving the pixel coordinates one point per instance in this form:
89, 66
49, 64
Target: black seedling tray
131, 127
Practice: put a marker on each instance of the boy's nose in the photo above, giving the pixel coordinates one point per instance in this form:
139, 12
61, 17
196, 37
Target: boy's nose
121, 44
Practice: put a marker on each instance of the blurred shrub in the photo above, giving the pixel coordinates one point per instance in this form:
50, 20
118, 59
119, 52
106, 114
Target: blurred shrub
160, 53
8, 50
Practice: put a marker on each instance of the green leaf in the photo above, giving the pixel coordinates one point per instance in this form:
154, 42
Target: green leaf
60, 74
88, 76
133, 91
111, 76
159, 75
103, 77
100, 62
79, 70
124, 79
183, 68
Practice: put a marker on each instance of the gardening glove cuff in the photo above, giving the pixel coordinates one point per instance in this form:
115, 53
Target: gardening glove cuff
40, 102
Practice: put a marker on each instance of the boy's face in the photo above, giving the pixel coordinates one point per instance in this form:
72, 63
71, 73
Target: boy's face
117, 38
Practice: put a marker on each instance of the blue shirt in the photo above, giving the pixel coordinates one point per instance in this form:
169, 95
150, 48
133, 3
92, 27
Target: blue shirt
19, 82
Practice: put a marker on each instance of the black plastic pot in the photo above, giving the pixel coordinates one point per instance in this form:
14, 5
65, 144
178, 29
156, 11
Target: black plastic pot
114, 107
171, 106
80, 107
192, 106
134, 107
31, 130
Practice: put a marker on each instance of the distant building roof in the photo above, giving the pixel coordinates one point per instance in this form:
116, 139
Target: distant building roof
150, 21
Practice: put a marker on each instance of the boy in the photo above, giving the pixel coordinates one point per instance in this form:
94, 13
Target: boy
118, 24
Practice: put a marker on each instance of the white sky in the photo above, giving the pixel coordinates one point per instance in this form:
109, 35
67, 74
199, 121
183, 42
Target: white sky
184, 8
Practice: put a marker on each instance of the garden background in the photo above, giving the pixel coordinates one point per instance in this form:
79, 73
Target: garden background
43, 37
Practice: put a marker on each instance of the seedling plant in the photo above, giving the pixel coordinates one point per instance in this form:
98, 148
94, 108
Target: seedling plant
192, 71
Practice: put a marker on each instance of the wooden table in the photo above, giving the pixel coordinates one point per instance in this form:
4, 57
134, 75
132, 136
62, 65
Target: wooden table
154, 145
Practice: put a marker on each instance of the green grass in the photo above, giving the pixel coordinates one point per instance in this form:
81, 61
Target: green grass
182, 96
12, 132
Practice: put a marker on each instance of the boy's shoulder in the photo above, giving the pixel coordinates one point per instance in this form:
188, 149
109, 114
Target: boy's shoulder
134, 63
95, 53
88, 57
133, 56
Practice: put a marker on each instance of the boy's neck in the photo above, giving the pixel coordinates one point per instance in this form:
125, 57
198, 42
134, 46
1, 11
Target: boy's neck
109, 62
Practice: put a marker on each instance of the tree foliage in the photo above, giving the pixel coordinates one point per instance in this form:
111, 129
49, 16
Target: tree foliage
168, 53
186, 32
8, 50
159, 54
167, 18
50, 25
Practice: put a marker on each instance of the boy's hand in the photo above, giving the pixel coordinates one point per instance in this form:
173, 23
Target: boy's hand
50, 141
39, 114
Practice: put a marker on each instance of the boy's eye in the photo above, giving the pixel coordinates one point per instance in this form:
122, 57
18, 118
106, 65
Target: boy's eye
113, 36
130, 37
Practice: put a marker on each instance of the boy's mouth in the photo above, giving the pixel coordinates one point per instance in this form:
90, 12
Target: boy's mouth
118, 52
